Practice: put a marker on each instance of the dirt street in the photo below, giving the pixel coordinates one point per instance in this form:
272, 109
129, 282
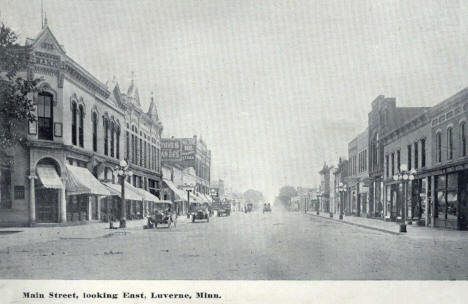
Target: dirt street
255, 246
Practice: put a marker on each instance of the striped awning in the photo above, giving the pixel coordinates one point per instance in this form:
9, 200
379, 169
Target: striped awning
179, 194
145, 194
116, 189
81, 181
49, 177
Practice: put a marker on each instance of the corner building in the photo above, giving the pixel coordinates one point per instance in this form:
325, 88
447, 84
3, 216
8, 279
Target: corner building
82, 123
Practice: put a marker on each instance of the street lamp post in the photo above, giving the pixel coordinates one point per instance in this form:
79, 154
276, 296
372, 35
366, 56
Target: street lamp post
404, 177
188, 188
122, 171
318, 202
342, 189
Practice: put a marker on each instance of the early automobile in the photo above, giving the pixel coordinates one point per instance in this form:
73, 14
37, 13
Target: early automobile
249, 207
198, 211
266, 208
224, 209
162, 215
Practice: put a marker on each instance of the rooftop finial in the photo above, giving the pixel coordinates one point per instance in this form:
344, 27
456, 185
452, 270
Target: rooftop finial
45, 19
152, 93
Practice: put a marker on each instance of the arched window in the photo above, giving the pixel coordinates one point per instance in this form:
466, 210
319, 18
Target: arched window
94, 118
450, 143
106, 136
74, 112
80, 127
45, 116
117, 145
127, 135
439, 147
463, 139
112, 130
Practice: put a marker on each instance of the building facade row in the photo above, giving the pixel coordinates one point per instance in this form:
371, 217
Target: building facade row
410, 163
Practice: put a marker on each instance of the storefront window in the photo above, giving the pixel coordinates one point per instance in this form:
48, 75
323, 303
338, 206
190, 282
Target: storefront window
5, 188
452, 205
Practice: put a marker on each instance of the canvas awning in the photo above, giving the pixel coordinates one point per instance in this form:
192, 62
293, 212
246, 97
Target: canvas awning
145, 194
49, 177
179, 194
81, 181
208, 198
116, 189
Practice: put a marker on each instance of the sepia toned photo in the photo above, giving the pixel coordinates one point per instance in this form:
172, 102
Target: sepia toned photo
232, 140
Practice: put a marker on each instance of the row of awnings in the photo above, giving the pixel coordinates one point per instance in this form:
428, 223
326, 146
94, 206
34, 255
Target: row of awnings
181, 195
81, 181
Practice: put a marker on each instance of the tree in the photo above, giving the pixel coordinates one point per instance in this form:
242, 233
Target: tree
253, 196
15, 105
286, 193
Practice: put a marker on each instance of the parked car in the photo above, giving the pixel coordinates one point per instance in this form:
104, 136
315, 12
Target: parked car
199, 212
209, 208
162, 215
266, 208
224, 209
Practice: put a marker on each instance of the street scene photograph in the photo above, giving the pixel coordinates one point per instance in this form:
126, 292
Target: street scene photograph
233, 140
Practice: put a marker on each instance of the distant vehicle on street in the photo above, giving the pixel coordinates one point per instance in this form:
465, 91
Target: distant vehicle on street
209, 208
248, 207
162, 215
224, 209
198, 211
266, 208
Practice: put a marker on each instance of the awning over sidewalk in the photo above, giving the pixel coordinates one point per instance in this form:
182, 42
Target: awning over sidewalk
145, 194
179, 194
49, 177
116, 189
81, 181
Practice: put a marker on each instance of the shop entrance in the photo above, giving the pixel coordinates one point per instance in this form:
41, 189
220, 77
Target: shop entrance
463, 200
47, 205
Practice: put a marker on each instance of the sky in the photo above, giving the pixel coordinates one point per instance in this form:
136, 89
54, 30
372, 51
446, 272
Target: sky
275, 88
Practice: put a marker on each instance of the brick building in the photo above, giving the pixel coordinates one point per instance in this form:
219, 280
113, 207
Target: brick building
186, 153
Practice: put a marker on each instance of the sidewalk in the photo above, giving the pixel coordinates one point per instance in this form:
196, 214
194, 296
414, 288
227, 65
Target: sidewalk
27, 235
413, 231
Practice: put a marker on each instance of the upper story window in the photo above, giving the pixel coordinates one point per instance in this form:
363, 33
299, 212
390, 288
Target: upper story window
117, 145
393, 163
106, 136
409, 157
80, 127
416, 155
439, 146
95, 125
450, 143
398, 154
45, 116
463, 139
112, 131
73, 130
423, 153
387, 168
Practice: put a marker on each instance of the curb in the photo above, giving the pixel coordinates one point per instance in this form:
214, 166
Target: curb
355, 224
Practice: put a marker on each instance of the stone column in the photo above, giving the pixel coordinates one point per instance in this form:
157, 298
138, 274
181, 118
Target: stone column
98, 206
433, 194
63, 202
90, 206
427, 204
32, 199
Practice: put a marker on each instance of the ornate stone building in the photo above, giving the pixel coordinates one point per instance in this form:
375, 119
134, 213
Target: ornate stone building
84, 128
